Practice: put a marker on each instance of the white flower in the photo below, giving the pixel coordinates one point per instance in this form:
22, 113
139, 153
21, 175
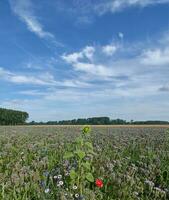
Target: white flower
159, 190
136, 193
59, 176
47, 190
150, 183
67, 174
60, 182
76, 195
74, 187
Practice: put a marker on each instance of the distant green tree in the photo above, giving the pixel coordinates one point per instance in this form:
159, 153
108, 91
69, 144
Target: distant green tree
12, 117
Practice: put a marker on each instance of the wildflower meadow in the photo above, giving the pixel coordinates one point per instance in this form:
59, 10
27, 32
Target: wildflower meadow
84, 163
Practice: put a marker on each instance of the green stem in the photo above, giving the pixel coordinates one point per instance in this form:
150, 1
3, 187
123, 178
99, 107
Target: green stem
80, 175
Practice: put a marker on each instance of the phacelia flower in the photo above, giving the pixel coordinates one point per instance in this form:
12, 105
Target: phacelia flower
61, 182
59, 176
74, 187
67, 174
55, 177
47, 190
76, 195
99, 183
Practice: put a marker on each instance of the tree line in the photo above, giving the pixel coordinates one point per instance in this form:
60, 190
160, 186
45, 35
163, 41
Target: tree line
12, 117
98, 121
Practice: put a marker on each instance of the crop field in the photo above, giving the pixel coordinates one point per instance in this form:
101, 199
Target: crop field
76, 163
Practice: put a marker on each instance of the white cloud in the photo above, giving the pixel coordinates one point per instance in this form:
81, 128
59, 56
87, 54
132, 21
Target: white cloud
97, 70
87, 52
127, 72
32, 93
45, 79
109, 49
75, 83
88, 60
24, 10
118, 5
42, 79
21, 79
4, 72
72, 58
83, 60
156, 57
101, 73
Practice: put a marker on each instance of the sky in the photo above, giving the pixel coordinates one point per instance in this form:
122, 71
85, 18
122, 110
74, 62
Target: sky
64, 59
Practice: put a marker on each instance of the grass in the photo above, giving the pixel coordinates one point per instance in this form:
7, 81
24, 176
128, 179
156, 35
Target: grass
132, 162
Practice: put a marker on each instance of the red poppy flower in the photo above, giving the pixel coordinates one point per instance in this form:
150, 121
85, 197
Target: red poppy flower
99, 183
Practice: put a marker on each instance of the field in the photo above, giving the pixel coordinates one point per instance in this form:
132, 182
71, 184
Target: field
52, 162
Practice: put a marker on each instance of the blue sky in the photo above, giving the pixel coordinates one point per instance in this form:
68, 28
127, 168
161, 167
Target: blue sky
69, 59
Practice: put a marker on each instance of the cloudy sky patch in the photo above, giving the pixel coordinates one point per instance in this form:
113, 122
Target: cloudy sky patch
63, 60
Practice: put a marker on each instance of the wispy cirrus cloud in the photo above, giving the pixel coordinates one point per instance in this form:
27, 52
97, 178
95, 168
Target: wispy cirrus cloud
25, 11
158, 53
119, 5
104, 78
41, 79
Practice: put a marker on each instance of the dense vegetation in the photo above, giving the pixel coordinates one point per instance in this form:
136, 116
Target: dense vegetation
63, 163
97, 121
12, 117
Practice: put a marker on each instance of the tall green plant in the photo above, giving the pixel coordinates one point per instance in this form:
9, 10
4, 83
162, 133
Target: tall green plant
82, 154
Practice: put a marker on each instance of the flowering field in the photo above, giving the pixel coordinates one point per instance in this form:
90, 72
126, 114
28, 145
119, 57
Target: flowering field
73, 162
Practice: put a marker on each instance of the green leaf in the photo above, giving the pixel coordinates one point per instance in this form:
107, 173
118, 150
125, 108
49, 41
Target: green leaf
86, 130
79, 141
89, 145
80, 153
90, 177
87, 165
73, 174
92, 153
68, 155
165, 175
